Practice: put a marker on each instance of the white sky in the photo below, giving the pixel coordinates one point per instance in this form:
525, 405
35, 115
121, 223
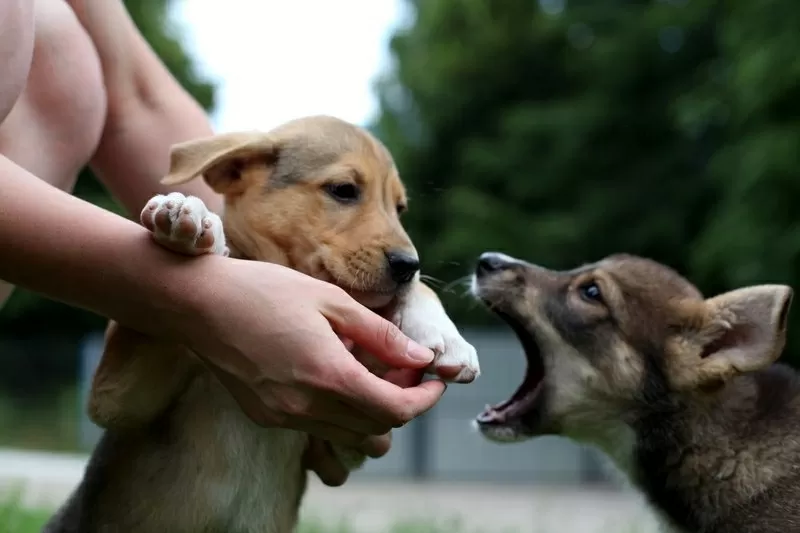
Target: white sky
276, 60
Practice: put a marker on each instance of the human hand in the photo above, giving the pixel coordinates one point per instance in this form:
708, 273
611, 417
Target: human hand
270, 335
185, 225
332, 466
333, 463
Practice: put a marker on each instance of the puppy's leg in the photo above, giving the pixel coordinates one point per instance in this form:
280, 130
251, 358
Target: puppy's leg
138, 377
184, 224
423, 318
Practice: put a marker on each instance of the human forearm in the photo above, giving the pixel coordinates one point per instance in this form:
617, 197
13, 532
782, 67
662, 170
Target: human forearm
148, 110
72, 251
134, 153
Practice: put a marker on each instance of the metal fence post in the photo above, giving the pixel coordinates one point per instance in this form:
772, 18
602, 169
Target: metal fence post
421, 446
91, 349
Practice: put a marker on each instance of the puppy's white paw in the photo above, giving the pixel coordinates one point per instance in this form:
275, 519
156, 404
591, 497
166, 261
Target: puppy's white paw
424, 320
184, 225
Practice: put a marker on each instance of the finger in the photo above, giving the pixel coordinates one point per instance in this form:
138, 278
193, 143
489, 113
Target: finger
375, 334
339, 413
330, 418
404, 377
327, 431
377, 446
386, 402
323, 461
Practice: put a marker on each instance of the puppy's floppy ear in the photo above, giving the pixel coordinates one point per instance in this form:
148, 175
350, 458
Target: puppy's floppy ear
745, 331
220, 159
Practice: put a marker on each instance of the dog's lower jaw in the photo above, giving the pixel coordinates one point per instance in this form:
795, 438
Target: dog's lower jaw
501, 434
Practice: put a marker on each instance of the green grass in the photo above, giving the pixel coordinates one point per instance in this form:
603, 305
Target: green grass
15, 519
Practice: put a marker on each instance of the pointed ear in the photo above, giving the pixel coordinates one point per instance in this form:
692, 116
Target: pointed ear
219, 159
746, 330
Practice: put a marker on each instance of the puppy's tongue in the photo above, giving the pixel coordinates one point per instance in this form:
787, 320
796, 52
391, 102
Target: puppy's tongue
523, 400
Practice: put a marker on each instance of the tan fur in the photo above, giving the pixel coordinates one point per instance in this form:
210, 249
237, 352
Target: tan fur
681, 391
173, 429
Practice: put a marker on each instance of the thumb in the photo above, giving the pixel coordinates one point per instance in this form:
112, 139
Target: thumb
375, 334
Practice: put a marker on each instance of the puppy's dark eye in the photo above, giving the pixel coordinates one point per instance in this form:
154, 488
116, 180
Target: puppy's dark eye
401, 208
343, 192
590, 292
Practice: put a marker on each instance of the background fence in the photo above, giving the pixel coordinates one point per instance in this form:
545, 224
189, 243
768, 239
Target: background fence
442, 445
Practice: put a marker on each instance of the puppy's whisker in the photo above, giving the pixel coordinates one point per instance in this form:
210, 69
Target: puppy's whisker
430, 280
465, 280
361, 279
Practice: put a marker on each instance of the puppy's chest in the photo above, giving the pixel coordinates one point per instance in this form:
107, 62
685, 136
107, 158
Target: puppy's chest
252, 478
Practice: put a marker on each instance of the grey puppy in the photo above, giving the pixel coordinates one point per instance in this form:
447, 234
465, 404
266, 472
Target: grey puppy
682, 392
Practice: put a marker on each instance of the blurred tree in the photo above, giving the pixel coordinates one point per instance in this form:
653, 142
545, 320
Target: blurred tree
548, 132
755, 232
562, 131
26, 313
752, 96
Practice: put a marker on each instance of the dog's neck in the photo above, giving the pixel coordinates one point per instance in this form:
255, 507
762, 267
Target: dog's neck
702, 462
237, 253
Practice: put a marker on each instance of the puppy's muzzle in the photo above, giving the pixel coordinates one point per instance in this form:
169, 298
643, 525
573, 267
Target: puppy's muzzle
491, 262
402, 266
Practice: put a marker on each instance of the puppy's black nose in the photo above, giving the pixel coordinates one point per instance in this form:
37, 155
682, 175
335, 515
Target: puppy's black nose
492, 262
402, 266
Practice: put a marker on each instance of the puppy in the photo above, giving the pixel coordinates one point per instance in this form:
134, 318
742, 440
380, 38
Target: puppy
680, 391
319, 195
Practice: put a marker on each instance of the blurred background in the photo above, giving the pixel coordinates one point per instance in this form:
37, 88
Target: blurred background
556, 130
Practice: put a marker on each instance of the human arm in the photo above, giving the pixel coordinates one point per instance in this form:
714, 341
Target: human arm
148, 110
16, 50
268, 332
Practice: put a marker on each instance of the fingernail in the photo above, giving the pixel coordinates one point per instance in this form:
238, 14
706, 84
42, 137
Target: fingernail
419, 353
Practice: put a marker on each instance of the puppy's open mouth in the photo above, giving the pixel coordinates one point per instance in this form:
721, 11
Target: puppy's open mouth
517, 417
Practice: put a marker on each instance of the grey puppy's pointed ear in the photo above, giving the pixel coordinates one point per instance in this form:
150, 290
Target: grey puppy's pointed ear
215, 158
746, 331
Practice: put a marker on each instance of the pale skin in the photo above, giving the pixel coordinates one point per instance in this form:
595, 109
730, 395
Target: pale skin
81, 86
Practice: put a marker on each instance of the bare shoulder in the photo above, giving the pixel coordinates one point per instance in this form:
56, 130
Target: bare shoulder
16, 50
63, 98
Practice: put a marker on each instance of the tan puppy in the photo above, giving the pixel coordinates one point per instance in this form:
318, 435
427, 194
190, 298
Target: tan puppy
318, 195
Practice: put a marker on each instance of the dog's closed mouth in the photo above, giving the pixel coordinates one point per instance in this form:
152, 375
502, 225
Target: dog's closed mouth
516, 411
374, 300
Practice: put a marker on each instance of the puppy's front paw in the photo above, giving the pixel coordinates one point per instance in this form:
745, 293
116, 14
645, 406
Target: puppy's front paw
455, 359
425, 321
184, 225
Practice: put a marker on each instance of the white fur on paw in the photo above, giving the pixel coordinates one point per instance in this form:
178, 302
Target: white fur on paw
184, 224
424, 320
